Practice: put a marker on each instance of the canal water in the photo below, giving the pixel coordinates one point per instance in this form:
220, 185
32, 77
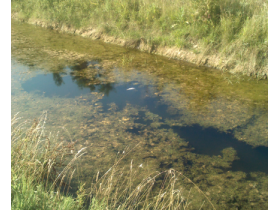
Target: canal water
211, 126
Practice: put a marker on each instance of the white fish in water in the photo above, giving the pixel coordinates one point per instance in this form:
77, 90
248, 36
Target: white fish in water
132, 88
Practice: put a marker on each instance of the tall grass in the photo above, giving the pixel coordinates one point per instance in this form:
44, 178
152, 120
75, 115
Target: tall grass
160, 190
42, 169
237, 29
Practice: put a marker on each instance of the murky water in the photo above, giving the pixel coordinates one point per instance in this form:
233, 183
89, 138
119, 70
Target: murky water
209, 125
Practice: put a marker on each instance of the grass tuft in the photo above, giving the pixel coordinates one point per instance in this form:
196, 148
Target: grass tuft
40, 167
234, 29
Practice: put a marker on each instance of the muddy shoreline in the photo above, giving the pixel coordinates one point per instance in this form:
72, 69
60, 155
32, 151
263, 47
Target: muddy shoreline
211, 61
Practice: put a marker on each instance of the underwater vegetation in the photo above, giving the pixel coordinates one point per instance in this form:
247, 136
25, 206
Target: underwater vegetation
48, 165
97, 99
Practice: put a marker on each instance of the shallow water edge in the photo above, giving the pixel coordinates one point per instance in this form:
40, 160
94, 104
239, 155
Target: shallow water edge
212, 61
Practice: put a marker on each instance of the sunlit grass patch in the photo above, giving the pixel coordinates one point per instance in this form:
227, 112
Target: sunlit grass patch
234, 29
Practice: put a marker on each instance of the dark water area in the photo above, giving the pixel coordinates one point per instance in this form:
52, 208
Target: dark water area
205, 141
210, 141
50, 86
67, 86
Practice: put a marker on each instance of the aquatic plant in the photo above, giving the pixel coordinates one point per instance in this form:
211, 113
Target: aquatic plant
197, 96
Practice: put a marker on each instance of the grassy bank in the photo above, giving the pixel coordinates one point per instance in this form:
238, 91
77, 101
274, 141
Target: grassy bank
43, 167
227, 34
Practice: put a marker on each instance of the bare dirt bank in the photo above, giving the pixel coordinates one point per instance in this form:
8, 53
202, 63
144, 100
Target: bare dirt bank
197, 57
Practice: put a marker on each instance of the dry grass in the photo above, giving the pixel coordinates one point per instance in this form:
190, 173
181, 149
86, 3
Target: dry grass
36, 155
122, 188
42, 170
40, 166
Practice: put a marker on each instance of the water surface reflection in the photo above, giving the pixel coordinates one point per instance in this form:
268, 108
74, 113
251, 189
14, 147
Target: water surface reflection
209, 125
205, 141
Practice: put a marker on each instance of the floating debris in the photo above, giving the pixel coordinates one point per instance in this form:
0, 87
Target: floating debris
132, 88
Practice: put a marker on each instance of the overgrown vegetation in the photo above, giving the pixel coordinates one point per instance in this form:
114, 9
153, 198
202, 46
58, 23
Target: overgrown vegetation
34, 163
42, 169
233, 29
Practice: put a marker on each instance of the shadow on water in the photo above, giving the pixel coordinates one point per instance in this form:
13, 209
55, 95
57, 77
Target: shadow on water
206, 141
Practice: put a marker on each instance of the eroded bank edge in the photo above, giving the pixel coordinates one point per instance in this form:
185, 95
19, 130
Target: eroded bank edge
213, 61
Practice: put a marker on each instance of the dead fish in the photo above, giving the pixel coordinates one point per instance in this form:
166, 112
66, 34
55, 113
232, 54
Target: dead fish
132, 88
